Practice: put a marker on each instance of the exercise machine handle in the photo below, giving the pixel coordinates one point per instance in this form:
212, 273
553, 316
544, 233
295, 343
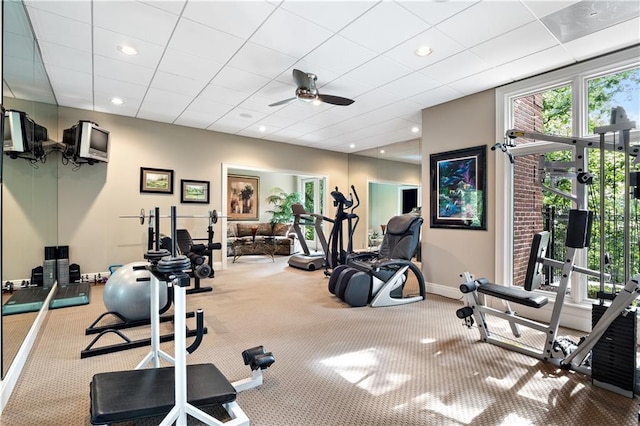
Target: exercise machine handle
199, 331
355, 194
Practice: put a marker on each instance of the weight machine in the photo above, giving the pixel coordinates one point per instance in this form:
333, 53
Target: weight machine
608, 353
179, 391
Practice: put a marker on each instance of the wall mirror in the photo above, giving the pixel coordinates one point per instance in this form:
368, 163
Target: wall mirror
387, 180
29, 189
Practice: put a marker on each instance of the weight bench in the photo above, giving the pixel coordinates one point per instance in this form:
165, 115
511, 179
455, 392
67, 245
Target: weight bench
510, 294
129, 395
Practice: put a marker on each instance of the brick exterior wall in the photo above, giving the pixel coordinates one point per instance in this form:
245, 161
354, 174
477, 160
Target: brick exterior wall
527, 196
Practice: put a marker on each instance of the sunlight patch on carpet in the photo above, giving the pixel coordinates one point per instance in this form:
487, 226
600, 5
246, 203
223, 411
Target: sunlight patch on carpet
362, 369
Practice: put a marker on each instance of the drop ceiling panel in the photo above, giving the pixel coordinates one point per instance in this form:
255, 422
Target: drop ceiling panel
56, 55
378, 71
219, 94
526, 40
15, 21
261, 60
222, 15
346, 87
161, 101
554, 57
299, 110
135, 19
542, 8
189, 65
60, 30
606, 40
129, 108
203, 113
441, 45
123, 71
18, 47
384, 26
481, 81
434, 12
283, 32
176, 83
173, 6
204, 42
75, 10
485, 20
339, 55
455, 67
331, 15
105, 43
107, 88
236, 79
437, 96
411, 84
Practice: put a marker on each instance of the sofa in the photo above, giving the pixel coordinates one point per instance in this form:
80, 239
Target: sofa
242, 232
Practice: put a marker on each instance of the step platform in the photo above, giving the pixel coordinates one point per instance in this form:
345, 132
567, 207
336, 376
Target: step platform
26, 300
128, 395
73, 294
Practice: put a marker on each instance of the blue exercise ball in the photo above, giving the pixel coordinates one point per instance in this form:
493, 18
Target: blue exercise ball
128, 292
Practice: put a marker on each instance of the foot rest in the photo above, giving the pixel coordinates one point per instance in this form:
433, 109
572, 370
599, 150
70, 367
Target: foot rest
512, 294
127, 395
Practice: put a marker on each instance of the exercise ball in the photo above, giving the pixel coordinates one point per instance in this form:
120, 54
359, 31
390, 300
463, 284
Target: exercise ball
128, 292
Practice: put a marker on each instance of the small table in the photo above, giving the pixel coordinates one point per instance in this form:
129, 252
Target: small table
263, 245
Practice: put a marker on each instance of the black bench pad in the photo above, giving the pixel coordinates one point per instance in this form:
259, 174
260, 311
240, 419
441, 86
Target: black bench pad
127, 395
513, 294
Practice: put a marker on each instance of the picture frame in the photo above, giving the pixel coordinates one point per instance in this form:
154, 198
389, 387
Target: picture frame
159, 181
194, 191
458, 189
242, 197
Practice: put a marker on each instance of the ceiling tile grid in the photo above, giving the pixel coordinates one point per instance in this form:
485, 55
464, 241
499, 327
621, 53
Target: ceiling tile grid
218, 65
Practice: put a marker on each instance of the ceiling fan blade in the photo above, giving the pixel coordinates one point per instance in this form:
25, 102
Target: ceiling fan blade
335, 100
302, 79
283, 102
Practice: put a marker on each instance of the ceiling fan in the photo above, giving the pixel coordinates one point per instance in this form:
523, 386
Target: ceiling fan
308, 92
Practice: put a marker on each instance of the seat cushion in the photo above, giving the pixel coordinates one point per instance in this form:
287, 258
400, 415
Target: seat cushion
128, 395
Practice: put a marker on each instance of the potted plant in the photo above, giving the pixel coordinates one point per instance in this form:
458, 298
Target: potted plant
282, 202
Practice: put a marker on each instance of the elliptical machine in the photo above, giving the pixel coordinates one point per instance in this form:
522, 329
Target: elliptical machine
337, 255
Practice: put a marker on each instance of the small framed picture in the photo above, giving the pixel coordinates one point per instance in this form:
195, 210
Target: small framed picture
158, 181
242, 197
194, 191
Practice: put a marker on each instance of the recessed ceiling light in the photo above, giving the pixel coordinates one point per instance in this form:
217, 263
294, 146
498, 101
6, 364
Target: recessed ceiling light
415, 129
246, 115
382, 151
262, 128
117, 101
127, 50
352, 145
423, 51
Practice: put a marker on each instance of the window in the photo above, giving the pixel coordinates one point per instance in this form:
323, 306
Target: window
571, 101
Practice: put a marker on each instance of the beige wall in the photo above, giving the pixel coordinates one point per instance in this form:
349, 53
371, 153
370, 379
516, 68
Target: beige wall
447, 253
92, 198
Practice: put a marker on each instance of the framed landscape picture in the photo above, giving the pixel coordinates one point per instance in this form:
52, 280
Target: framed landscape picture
242, 197
194, 191
458, 196
156, 180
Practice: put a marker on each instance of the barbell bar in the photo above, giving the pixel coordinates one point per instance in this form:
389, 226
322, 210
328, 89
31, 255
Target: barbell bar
213, 216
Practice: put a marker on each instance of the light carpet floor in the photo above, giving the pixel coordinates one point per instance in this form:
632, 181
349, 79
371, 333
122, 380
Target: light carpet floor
414, 364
